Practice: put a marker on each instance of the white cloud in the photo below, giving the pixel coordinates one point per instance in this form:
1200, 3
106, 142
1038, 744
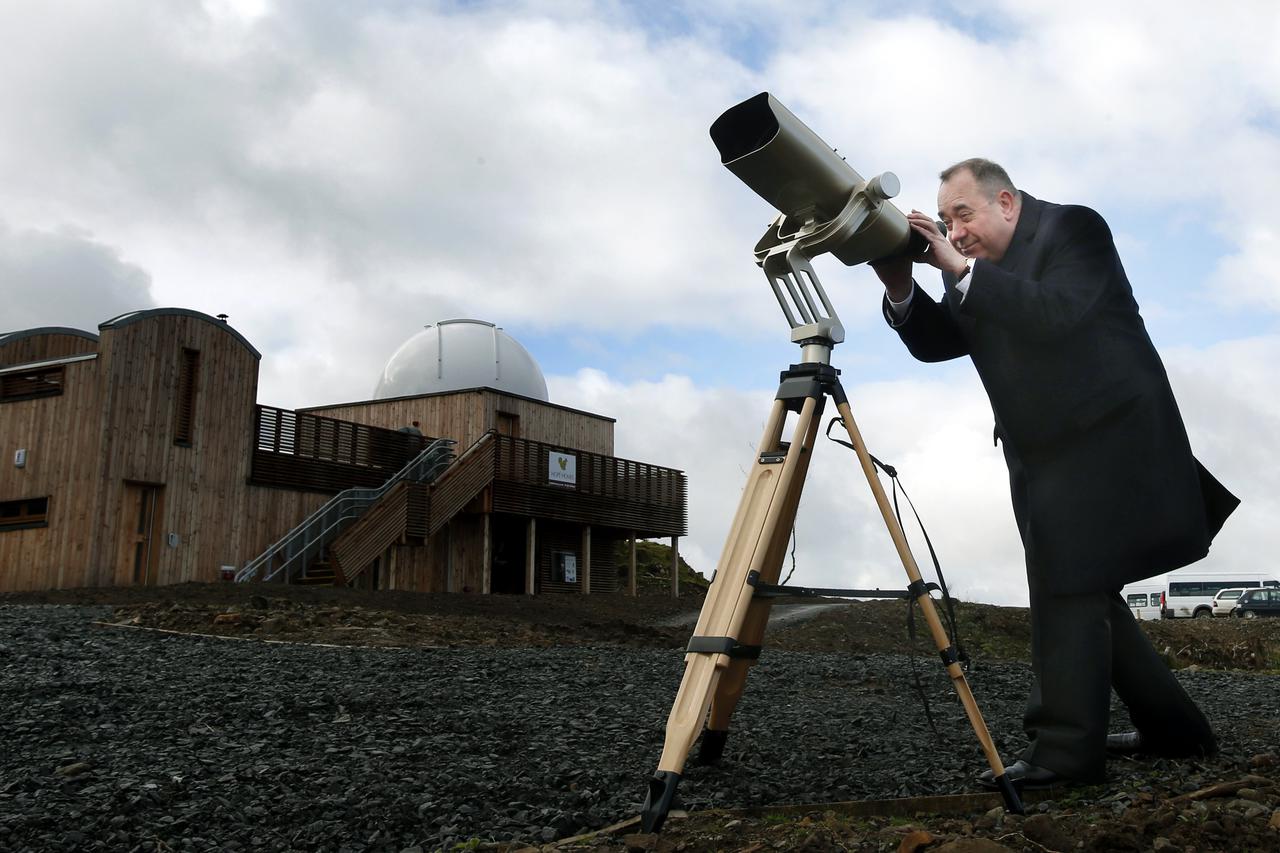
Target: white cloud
1230, 400
335, 176
65, 278
936, 434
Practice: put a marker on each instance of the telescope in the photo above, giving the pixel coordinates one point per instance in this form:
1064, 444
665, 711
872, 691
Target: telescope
824, 206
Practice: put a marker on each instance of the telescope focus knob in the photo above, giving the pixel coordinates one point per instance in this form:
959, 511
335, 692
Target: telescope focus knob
884, 187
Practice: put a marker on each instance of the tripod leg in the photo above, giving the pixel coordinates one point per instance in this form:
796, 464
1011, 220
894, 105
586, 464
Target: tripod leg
732, 683
715, 666
959, 683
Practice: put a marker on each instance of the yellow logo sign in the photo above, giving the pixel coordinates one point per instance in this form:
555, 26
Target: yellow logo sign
564, 463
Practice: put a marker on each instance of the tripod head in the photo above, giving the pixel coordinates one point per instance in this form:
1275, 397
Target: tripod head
825, 206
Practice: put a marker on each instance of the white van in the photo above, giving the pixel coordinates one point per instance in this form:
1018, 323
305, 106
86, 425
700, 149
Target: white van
1145, 598
1191, 593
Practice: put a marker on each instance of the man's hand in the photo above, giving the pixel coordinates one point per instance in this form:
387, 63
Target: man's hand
940, 253
895, 274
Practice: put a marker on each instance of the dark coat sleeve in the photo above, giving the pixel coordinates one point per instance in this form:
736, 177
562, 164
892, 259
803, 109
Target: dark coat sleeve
928, 330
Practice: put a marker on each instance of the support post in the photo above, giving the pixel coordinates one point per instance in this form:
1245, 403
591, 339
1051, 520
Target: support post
449, 585
531, 558
586, 559
631, 566
675, 566
486, 571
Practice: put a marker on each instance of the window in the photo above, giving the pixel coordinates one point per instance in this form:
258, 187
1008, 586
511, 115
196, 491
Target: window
28, 512
28, 384
1138, 599
1205, 588
185, 409
508, 424
564, 567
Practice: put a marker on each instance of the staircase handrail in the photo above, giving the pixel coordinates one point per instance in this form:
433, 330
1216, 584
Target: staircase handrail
438, 451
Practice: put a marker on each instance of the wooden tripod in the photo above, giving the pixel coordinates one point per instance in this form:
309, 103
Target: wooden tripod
726, 641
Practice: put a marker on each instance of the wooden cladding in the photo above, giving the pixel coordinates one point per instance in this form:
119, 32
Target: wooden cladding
28, 512
184, 414
32, 383
296, 450
464, 416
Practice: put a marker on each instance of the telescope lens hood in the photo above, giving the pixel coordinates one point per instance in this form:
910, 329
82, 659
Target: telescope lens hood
782, 160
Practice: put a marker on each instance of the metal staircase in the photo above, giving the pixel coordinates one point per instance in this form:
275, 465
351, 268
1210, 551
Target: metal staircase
289, 558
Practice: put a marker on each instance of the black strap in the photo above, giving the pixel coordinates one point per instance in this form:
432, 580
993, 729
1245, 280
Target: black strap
949, 613
955, 653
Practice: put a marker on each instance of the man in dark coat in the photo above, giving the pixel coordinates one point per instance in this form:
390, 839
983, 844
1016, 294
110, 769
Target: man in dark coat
1105, 489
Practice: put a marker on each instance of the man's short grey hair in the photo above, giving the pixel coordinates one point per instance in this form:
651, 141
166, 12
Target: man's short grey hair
990, 176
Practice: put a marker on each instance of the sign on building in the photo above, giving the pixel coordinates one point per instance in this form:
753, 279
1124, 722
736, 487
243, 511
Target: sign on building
562, 468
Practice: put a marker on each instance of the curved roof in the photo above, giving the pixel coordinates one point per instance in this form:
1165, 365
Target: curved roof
10, 337
455, 355
134, 316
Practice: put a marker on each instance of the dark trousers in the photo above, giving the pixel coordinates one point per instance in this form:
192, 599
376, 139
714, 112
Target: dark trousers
1082, 646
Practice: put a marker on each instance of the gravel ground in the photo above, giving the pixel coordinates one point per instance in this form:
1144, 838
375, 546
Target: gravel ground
119, 739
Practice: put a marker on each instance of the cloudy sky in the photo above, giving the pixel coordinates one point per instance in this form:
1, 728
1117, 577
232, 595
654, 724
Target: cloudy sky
335, 175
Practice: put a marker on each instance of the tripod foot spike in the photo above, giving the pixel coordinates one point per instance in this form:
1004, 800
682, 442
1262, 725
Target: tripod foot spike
712, 747
657, 803
1012, 802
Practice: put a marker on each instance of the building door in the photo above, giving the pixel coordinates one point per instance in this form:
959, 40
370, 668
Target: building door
139, 534
508, 568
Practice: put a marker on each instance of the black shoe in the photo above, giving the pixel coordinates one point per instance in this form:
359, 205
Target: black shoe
1125, 743
1024, 776
1134, 743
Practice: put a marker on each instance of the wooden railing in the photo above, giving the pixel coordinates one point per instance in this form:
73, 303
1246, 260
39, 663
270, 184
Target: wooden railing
302, 451
606, 490
466, 478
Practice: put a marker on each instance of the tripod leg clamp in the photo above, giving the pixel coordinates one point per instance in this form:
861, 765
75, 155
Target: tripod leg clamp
658, 801
1012, 802
723, 646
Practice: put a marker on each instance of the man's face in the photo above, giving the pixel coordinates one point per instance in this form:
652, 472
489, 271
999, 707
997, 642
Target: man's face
977, 226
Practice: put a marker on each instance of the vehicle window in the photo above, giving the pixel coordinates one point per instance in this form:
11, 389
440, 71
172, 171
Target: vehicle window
1138, 599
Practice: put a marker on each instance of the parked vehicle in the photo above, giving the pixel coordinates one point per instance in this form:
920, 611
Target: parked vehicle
1145, 599
1225, 601
1191, 593
1258, 602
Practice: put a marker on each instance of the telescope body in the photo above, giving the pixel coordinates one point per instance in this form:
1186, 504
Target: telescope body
824, 203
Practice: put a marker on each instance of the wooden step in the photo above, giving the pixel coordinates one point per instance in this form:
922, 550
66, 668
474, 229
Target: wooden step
317, 574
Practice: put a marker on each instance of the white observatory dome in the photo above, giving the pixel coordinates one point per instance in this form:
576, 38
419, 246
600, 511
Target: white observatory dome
456, 354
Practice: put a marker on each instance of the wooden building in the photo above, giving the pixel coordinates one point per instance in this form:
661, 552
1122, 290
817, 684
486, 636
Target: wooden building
139, 455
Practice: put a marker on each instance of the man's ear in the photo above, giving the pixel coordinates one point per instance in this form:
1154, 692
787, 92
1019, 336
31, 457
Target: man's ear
1007, 203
